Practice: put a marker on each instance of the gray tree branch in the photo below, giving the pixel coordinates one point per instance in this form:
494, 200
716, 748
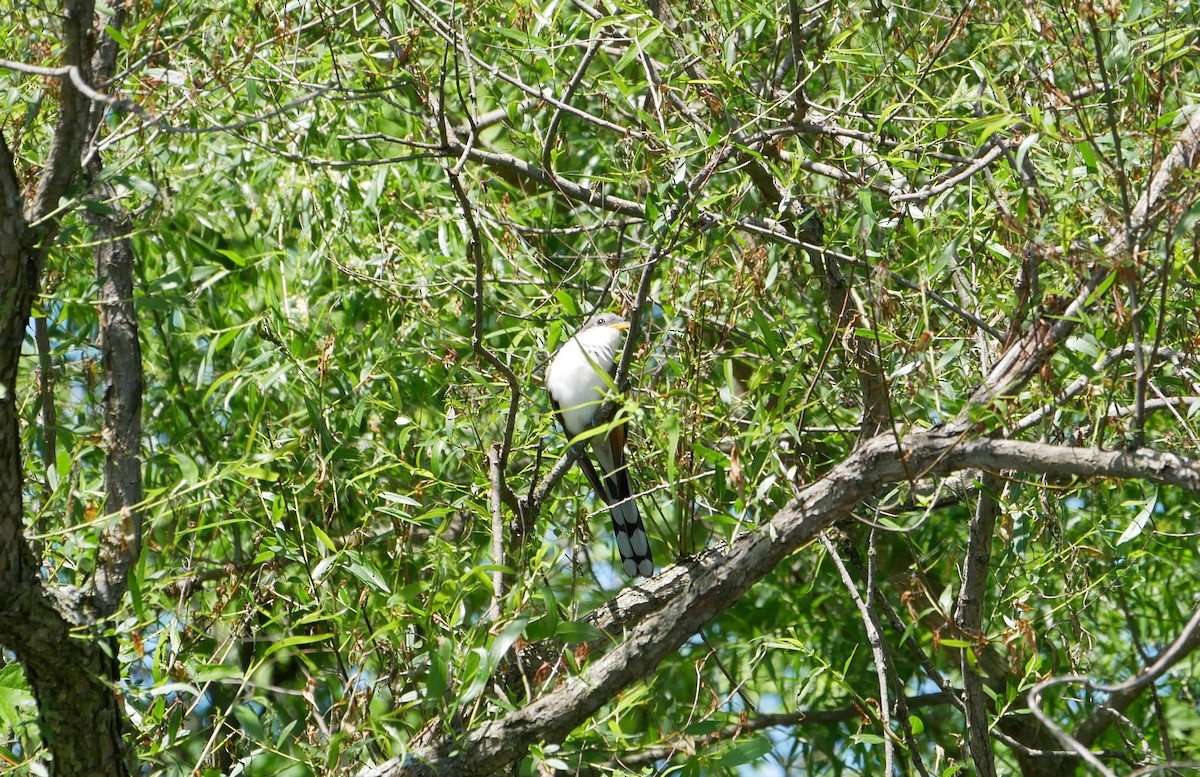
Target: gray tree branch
121, 357
714, 588
1024, 357
1124, 694
968, 616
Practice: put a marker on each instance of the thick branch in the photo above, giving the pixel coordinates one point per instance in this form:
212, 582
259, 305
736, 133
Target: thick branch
121, 358
121, 354
18, 567
874, 465
79, 713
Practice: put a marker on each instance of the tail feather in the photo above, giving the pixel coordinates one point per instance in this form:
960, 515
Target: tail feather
611, 484
632, 542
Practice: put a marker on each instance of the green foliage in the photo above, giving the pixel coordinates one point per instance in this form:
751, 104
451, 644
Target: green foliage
314, 586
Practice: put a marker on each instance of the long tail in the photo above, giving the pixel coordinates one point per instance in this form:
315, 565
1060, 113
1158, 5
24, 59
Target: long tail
632, 542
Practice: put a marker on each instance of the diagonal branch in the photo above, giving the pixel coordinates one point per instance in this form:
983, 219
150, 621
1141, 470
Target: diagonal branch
874, 465
1025, 356
1121, 696
884, 670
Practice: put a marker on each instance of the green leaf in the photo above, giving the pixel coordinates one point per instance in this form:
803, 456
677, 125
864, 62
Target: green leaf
16, 701
116, 35
575, 632
744, 752
366, 572
211, 673
294, 640
249, 722
1139, 522
1102, 289
439, 669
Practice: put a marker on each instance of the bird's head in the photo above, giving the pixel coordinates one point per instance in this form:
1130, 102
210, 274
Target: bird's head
613, 320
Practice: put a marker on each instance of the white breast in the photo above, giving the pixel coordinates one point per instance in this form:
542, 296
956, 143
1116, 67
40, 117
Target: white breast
576, 377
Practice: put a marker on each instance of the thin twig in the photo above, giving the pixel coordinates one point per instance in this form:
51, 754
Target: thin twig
475, 250
878, 651
909, 641
73, 74
1135, 637
568, 93
496, 481
443, 30
600, 198
966, 298
796, 38
954, 179
78, 79
1083, 381
874, 596
1122, 695
758, 722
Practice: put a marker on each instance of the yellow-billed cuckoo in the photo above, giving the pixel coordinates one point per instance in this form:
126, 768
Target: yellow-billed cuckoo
578, 378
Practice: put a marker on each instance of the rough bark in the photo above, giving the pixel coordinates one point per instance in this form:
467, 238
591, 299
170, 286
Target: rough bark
121, 357
727, 573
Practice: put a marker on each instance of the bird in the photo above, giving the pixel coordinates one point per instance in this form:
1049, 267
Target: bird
577, 380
